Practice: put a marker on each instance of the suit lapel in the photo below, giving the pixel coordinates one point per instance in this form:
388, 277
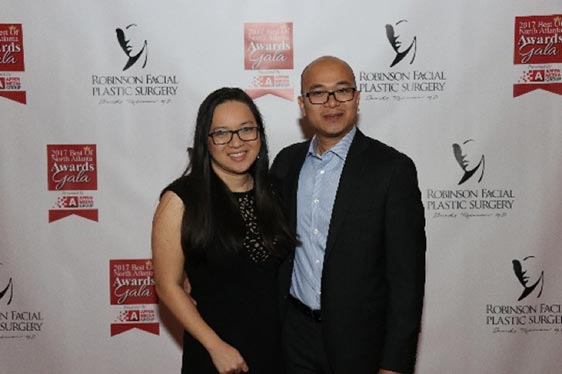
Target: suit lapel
293, 177
350, 177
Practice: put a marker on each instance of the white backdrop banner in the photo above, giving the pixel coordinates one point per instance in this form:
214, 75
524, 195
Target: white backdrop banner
97, 108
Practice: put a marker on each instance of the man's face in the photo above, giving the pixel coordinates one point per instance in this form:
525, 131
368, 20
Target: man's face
400, 36
331, 120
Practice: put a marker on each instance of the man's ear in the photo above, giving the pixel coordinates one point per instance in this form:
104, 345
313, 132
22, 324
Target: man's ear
301, 105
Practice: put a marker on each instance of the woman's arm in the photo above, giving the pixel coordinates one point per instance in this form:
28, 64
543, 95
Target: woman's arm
168, 260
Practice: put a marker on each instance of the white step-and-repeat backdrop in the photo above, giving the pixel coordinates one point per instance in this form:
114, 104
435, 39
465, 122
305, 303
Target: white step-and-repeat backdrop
97, 105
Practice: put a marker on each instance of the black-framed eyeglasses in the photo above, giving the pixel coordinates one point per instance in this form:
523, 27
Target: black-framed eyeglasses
341, 95
223, 136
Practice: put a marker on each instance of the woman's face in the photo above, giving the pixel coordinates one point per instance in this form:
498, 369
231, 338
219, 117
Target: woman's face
234, 158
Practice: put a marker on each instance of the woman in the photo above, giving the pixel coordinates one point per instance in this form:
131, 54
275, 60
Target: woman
220, 224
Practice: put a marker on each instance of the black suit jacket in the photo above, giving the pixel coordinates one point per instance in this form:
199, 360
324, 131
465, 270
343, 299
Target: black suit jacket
374, 264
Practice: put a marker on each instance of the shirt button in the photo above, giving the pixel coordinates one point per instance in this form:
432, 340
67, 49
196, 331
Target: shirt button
316, 201
317, 261
321, 171
315, 231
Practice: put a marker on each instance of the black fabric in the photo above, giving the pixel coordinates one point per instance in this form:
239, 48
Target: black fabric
236, 295
374, 265
303, 346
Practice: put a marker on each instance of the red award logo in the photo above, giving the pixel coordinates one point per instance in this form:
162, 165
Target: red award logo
11, 62
71, 169
132, 293
268, 46
538, 44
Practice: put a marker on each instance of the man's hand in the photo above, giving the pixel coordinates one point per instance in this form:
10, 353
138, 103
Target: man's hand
382, 371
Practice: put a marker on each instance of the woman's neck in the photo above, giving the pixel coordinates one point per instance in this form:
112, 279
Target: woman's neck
239, 183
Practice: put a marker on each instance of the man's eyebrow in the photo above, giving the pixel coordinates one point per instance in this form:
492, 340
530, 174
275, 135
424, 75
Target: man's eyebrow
340, 83
315, 86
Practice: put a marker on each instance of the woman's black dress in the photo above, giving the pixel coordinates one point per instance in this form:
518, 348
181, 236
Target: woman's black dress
236, 295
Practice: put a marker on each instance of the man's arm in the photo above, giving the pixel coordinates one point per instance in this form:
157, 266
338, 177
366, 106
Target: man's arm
405, 268
276, 172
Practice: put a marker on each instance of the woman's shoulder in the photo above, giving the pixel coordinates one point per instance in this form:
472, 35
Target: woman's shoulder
180, 187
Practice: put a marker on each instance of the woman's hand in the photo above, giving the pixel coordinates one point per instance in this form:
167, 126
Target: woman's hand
227, 359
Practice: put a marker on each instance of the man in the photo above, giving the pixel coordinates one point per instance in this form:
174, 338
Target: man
352, 291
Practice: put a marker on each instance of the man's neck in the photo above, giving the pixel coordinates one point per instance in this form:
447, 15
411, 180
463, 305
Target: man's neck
325, 143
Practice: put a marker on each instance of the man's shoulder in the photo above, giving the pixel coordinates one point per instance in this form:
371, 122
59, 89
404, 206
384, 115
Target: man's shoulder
288, 158
292, 151
295, 148
380, 150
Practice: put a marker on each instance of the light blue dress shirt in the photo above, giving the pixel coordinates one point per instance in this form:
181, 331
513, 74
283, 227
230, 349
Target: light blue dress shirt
318, 183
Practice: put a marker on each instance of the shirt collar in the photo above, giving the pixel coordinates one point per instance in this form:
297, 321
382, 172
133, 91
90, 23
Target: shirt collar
340, 149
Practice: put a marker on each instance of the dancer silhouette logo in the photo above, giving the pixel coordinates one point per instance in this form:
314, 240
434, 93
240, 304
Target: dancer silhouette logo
402, 40
529, 276
470, 159
134, 45
6, 292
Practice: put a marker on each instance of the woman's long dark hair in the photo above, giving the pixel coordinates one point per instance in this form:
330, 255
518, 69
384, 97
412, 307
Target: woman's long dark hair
212, 215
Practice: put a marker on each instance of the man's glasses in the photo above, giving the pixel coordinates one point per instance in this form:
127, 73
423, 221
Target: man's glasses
321, 97
246, 134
